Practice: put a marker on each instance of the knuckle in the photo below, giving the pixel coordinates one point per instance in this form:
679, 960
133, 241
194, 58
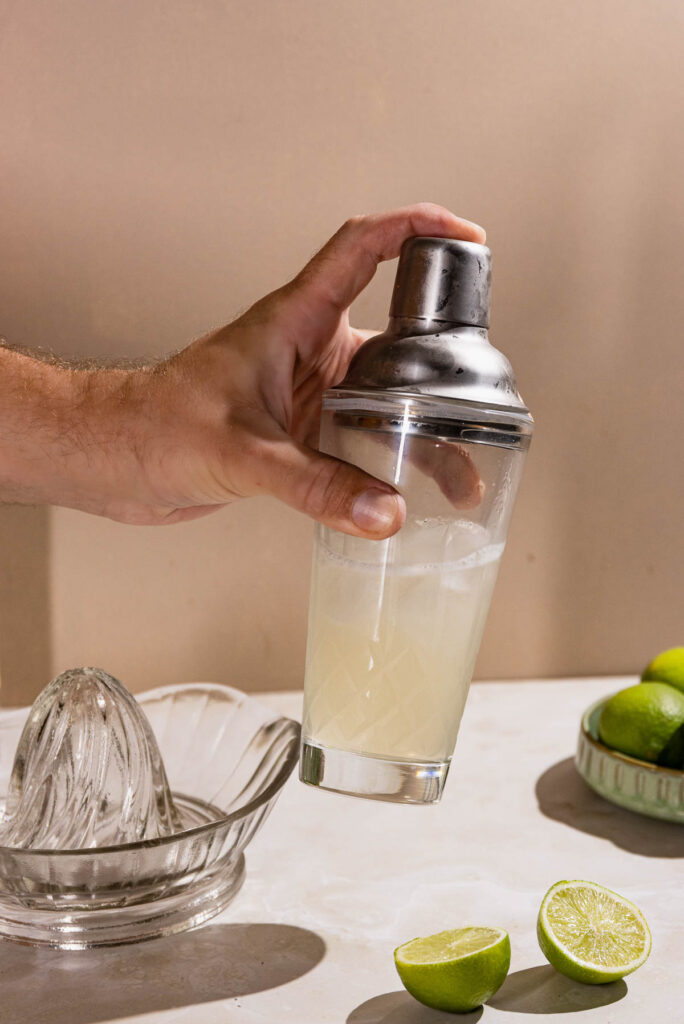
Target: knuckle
430, 209
354, 223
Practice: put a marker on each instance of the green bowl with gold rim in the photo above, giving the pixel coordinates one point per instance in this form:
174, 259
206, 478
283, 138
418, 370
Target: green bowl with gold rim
636, 785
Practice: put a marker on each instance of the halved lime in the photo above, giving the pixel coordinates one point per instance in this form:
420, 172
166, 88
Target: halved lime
455, 970
591, 934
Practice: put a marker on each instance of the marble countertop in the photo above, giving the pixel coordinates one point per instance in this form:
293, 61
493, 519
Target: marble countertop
335, 883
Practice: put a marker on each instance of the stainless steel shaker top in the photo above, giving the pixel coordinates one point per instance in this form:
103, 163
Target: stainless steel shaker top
437, 343
442, 279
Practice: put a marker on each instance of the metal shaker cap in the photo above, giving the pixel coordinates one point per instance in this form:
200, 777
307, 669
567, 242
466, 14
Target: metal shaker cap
443, 279
437, 343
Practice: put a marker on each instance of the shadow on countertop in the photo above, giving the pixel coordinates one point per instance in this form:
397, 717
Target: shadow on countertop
534, 990
219, 961
564, 796
401, 1008
543, 990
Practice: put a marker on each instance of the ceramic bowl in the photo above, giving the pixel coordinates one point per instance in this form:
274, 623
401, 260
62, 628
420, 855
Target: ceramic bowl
626, 781
227, 759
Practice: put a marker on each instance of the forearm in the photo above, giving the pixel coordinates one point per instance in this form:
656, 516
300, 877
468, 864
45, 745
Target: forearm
61, 436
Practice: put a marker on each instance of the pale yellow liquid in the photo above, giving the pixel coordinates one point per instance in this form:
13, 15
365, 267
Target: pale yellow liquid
392, 646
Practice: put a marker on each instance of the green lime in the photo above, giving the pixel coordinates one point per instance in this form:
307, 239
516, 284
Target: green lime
455, 970
591, 934
642, 719
668, 667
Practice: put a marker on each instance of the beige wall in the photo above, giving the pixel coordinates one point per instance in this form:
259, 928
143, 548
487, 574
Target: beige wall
166, 163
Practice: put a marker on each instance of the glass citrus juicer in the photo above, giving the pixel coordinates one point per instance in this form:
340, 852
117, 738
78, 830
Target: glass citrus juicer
432, 408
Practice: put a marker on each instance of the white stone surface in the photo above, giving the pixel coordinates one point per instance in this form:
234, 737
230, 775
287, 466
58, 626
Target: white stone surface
334, 884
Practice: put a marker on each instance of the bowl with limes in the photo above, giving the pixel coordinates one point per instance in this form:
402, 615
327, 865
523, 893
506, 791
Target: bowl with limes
631, 745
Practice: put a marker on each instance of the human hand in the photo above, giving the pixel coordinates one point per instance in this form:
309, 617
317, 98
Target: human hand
236, 413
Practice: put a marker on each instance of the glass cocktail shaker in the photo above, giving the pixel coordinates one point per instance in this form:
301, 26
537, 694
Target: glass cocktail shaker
431, 407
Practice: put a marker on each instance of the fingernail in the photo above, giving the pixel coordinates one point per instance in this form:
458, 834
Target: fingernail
475, 227
478, 227
375, 510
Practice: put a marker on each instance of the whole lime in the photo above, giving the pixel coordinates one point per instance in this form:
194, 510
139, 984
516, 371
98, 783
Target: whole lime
642, 719
667, 667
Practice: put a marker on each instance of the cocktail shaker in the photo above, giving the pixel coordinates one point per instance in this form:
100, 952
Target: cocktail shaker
432, 408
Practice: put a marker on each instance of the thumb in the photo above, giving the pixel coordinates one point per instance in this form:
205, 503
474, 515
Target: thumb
332, 492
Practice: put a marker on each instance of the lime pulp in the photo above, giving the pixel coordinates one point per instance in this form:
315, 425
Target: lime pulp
591, 934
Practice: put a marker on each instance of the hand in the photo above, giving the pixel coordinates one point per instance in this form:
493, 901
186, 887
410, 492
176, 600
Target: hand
237, 412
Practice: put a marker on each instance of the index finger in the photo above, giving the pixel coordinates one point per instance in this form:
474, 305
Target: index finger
346, 264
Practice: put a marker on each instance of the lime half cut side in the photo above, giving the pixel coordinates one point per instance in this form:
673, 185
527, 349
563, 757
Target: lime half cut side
591, 934
455, 970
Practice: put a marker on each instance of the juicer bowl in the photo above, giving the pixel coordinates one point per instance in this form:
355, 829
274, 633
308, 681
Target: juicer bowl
227, 758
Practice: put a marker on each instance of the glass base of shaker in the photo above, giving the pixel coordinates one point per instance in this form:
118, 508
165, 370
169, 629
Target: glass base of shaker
376, 778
